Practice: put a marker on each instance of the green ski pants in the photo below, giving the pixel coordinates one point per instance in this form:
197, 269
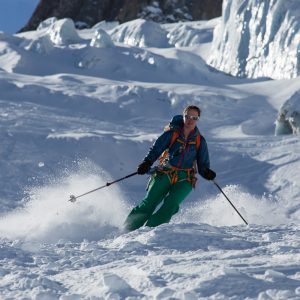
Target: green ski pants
159, 189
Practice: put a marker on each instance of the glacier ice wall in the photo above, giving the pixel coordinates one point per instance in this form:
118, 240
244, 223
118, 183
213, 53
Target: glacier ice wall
258, 38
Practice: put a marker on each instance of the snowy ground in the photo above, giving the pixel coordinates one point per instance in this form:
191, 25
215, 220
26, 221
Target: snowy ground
74, 116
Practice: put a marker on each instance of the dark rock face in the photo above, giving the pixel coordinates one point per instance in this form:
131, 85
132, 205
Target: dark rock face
89, 12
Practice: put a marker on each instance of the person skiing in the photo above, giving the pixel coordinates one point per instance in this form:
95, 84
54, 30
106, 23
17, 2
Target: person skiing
181, 150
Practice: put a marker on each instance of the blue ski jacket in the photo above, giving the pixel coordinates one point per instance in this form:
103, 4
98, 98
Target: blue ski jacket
181, 155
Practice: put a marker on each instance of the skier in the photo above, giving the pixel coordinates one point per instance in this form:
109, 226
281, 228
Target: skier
181, 150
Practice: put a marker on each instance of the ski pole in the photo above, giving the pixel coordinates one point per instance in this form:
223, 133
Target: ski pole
73, 198
229, 201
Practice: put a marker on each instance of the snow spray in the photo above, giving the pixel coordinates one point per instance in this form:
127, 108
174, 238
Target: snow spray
48, 217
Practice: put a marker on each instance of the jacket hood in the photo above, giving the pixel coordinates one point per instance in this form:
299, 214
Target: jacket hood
176, 122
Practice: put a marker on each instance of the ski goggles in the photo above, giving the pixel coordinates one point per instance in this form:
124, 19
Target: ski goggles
194, 118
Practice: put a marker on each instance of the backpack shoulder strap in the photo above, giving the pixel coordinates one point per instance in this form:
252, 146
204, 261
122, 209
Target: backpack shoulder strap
176, 134
174, 137
165, 154
198, 141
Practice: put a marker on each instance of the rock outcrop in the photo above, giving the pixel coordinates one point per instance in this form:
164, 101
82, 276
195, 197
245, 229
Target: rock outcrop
86, 13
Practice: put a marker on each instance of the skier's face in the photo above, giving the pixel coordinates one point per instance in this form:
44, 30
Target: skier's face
190, 119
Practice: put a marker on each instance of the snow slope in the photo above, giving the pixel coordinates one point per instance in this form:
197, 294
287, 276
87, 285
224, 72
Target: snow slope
81, 108
258, 39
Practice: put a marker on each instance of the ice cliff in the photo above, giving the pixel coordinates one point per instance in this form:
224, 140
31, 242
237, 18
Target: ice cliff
258, 38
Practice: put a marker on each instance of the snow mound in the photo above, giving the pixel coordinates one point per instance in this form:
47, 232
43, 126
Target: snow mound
186, 36
258, 39
105, 25
9, 56
288, 120
141, 33
101, 39
63, 32
46, 23
42, 45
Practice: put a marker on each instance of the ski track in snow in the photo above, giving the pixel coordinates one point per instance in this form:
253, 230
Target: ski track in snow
74, 117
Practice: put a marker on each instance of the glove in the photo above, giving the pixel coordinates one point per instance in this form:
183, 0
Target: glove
209, 174
144, 167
